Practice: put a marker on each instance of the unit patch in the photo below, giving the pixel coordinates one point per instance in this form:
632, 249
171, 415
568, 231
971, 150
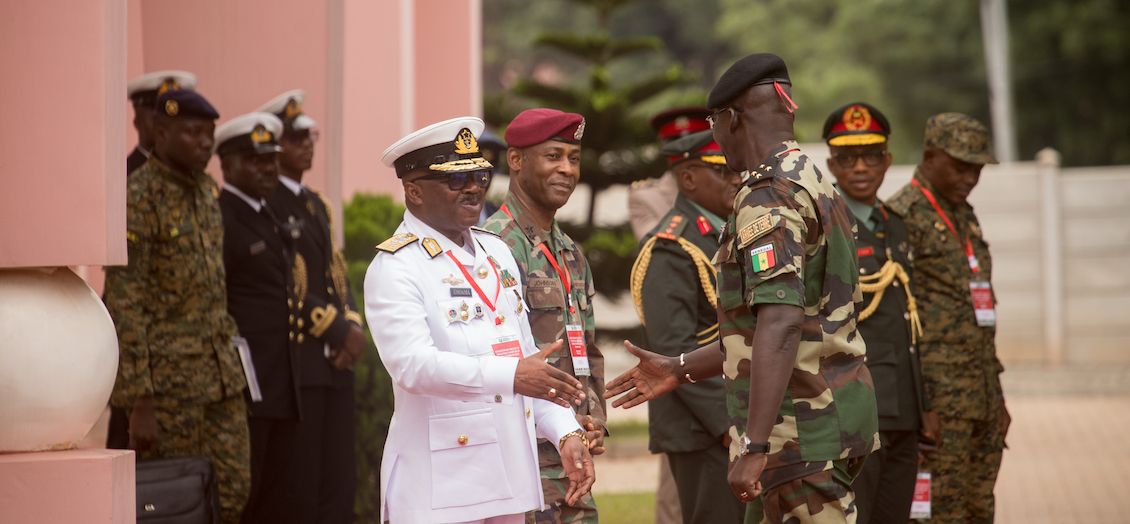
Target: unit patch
757, 228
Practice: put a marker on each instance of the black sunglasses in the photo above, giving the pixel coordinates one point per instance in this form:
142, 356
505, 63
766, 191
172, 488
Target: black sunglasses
871, 159
458, 181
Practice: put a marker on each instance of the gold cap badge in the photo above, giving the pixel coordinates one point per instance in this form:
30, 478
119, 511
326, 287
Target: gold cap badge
293, 108
260, 135
171, 107
169, 84
856, 118
465, 142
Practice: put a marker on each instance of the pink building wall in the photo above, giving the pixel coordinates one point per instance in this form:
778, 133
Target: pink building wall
373, 71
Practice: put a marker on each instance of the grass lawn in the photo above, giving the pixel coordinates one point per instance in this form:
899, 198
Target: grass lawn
626, 508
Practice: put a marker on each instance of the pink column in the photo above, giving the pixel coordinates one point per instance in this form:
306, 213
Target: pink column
62, 138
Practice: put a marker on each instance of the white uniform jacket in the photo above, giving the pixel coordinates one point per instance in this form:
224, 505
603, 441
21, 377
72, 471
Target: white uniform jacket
462, 444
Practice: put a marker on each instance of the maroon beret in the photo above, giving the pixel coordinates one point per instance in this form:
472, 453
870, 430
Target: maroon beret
534, 126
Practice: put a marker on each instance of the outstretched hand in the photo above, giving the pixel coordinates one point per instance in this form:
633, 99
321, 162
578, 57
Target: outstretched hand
535, 378
654, 376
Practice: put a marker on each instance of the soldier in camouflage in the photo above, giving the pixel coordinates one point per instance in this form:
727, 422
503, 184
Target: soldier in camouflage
952, 275
179, 375
544, 160
802, 407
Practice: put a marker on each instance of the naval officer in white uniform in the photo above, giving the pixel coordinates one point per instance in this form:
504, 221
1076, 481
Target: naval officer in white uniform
443, 301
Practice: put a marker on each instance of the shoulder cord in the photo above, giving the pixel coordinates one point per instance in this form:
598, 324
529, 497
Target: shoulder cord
706, 273
877, 284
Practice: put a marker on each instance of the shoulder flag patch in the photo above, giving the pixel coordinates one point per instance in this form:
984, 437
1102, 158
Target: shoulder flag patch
762, 257
757, 228
396, 242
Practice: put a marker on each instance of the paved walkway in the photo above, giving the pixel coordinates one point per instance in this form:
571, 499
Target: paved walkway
1068, 459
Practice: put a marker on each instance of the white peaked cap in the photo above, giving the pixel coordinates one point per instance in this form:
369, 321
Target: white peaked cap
152, 81
436, 133
244, 125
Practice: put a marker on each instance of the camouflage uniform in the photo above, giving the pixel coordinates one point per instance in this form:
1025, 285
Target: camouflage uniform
790, 241
545, 296
959, 361
169, 306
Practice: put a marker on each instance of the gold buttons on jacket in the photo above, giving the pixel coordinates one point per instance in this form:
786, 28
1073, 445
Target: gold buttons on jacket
482, 273
300, 338
462, 440
291, 320
498, 399
527, 412
301, 323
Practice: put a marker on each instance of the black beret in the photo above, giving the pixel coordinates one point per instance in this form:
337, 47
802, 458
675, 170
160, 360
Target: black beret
184, 103
755, 69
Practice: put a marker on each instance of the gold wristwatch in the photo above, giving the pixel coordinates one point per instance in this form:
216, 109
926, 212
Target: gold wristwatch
574, 433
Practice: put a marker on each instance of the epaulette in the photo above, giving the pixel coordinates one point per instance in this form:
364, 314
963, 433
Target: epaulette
487, 231
674, 228
397, 242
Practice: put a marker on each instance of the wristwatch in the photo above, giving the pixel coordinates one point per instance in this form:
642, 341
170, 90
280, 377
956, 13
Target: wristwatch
748, 447
574, 433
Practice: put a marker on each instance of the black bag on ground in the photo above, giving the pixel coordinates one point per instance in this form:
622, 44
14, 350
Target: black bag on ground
177, 491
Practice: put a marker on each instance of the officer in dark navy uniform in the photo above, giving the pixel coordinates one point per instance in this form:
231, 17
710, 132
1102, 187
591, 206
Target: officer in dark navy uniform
674, 290
327, 328
857, 139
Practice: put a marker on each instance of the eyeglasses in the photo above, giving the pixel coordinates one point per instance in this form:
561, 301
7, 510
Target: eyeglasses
713, 117
871, 159
458, 181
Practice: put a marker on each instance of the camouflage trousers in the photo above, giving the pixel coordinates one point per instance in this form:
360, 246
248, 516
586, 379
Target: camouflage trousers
964, 470
969, 404
217, 430
554, 485
815, 492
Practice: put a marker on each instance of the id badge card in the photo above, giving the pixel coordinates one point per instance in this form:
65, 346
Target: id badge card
507, 346
920, 507
982, 293
576, 336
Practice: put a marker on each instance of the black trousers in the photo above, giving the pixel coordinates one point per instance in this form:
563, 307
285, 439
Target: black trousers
884, 488
704, 492
304, 471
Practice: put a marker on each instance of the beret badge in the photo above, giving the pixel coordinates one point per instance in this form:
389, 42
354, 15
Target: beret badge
171, 107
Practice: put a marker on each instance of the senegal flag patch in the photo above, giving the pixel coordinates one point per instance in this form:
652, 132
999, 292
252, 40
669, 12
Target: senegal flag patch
762, 257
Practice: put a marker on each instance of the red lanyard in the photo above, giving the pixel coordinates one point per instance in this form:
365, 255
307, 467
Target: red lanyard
564, 276
475, 286
973, 266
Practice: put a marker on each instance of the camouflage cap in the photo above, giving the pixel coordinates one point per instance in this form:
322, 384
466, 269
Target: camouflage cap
960, 136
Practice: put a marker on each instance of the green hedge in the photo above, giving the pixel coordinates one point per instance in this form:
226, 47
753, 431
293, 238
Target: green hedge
369, 220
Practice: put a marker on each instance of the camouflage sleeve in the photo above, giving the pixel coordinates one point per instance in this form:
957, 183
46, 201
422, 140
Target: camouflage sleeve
773, 224
597, 404
128, 291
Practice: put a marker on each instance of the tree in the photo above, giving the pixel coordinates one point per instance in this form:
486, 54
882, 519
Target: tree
618, 143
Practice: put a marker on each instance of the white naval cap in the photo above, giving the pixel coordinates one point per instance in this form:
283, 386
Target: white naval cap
288, 107
256, 132
444, 147
157, 80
